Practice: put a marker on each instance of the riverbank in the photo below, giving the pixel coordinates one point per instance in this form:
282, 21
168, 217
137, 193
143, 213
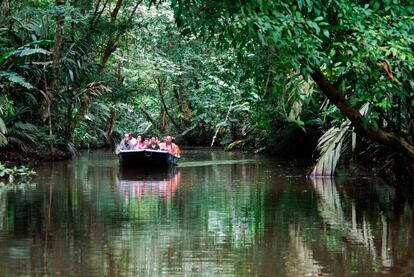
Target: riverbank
32, 157
392, 167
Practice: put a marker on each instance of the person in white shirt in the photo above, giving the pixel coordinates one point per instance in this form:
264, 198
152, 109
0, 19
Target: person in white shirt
129, 142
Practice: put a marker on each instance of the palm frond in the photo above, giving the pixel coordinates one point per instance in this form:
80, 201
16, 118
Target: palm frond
330, 146
97, 89
3, 140
70, 146
22, 135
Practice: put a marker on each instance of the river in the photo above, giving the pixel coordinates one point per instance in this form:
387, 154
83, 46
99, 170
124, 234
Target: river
216, 214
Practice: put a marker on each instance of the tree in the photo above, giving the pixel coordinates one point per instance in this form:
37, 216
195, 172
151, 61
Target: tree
355, 43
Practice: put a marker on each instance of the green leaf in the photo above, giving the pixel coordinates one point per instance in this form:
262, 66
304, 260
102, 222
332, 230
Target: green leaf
314, 25
300, 4
6, 55
72, 78
15, 78
3, 128
30, 51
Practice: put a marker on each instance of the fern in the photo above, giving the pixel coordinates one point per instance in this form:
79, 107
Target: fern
13, 77
22, 135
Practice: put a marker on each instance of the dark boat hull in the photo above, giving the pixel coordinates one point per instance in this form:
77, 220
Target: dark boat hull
144, 173
146, 158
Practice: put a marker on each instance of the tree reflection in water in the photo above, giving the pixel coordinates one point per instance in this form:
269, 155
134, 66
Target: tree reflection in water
353, 227
89, 218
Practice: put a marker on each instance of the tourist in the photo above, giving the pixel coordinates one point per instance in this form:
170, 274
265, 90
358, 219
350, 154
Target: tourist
153, 145
170, 146
128, 142
140, 143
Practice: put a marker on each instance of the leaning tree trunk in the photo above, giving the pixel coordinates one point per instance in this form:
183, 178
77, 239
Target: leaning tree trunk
361, 126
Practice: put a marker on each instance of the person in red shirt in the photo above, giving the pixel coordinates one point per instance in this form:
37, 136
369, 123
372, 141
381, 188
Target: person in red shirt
140, 143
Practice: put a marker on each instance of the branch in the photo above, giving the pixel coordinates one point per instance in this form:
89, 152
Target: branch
98, 17
95, 12
161, 92
149, 118
358, 121
114, 36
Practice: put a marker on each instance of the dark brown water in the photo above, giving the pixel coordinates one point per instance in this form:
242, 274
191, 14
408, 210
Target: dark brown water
217, 214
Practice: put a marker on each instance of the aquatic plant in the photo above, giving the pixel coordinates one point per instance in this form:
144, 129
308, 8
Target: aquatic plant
21, 173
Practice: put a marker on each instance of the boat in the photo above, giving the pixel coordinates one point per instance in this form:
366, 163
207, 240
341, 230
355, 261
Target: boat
146, 157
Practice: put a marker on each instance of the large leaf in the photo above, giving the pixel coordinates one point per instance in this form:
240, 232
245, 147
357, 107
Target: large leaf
3, 128
15, 78
25, 50
6, 55
3, 131
31, 51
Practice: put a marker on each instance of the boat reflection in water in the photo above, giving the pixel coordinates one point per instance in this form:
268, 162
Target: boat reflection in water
156, 182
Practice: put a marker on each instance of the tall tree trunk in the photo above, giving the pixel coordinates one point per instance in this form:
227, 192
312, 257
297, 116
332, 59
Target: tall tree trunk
163, 120
269, 83
83, 108
4, 10
183, 100
97, 15
150, 119
361, 125
110, 125
57, 48
69, 120
224, 122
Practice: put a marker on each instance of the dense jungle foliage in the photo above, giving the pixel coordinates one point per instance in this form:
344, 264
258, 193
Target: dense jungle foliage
259, 75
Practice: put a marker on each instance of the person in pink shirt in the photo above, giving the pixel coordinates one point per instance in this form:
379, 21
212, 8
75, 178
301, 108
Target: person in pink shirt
140, 143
